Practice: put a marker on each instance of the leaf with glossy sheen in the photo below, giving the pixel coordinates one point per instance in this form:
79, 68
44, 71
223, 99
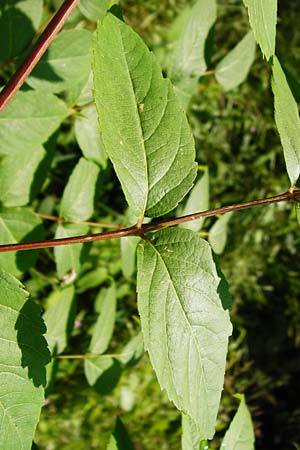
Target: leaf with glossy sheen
120, 440
104, 326
58, 318
198, 200
263, 18
77, 202
218, 233
18, 23
32, 117
234, 68
19, 225
23, 357
184, 324
144, 130
191, 435
87, 132
188, 62
287, 121
68, 258
66, 63
94, 9
240, 435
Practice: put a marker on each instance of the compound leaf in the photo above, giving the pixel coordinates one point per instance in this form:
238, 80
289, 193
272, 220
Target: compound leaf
263, 18
234, 68
77, 203
144, 130
184, 324
24, 355
287, 121
240, 435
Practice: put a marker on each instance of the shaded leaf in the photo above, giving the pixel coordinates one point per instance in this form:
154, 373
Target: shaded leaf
102, 372
240, 435
58, 318
133, 351
287, 121
198, 200
184, 324
263, 18
119, 439
103, 328
234, 68
33, 117
19, 225
68, 258
24, 355
191, 435
18, 23
297, 206
128, 255
144, 130
188, 62
218, 233
66, 63
92, 279
94, 9
87, 132
77, 202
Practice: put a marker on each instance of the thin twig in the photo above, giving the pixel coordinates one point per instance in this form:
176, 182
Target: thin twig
37, 51
90, 224
149, 227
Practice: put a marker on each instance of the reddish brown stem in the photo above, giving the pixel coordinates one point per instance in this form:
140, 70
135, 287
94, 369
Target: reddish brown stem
37, 51
137, 230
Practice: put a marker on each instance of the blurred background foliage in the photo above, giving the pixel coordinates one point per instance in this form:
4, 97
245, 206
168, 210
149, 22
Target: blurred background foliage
236, 139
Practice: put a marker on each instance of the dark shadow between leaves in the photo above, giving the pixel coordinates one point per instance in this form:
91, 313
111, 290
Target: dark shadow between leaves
109, 379
26, 259
33, 345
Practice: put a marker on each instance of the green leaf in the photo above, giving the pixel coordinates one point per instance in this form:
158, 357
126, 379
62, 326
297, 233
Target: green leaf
92, 279
240, 435
102, 372
94, 9
104, 326
120, 440
184, 324
59, 317
66, 63
68, 258
88, 136
263, 18
287, 121
144, 130
128, 255
191, 435
18, 23
24, 354
133, 351
218, 233
33, 117
77, 202
188, 62
297, 206
234, 68
197, 201
19, 225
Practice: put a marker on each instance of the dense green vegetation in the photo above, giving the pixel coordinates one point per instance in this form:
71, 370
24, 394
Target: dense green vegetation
237, 143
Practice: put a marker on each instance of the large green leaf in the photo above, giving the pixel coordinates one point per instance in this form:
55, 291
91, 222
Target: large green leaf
66, 63
263, 18
197, 201
287, 121
18, 23
68, 258
240, 435
144, 129
188, 61
234, 68
77, 203
94, 9
184, 324
58, 317
28, 121
120, 440
23, 357
88, 136
191, 435
19, 225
